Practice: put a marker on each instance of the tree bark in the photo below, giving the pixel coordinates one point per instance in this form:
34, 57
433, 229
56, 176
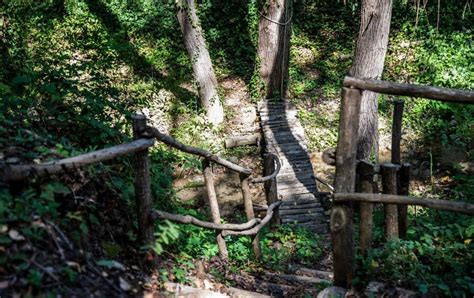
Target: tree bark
274, 32
368, 62
366, 173
200, 60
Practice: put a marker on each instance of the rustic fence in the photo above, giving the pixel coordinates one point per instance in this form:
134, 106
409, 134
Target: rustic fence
395, 176
144, 137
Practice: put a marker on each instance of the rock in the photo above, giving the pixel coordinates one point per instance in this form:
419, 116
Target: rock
379, 289
12, 160
374, 288
124, 285
332, 292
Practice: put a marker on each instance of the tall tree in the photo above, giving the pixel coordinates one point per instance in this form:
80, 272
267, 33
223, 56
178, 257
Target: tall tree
200, 59
274, 32
368, 62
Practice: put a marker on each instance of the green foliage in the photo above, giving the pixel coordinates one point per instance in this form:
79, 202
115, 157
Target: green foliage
443, 57
166, 235
435, 257
290, 245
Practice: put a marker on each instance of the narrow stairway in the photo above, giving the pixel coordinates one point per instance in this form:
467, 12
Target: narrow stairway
284, 136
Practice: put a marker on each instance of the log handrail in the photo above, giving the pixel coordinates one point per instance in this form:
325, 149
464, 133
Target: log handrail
257, 228
430, 92
272, 175
168, 140
188, 219
20, 172
460, 207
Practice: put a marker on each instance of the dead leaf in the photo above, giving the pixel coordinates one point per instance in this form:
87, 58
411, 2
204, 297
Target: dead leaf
4, 284
39, 223
14, 235
3, 229
124, 285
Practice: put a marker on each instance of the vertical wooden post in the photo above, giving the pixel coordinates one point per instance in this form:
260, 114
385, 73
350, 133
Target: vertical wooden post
403, 189
366, 171
213, 204
142, 186
271, 186
397, 130
341, 215
248, 205
389, 173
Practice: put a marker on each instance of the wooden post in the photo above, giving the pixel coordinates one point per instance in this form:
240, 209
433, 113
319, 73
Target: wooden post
341, 215
389, 173
397, 130
143, 197
403, 189
271, 186
213, 204
366, 171
248, 205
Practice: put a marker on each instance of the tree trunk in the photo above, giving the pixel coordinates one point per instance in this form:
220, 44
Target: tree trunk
274, 32
368, 62
200, 59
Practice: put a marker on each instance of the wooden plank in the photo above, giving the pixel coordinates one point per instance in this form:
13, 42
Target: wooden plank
297, 185
316, 228
302, 218
288, 175
301, 211
302, 189
300, 201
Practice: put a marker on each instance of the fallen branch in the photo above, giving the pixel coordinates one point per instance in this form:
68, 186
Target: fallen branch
258, 227
188, 219
331, 188
273, 175
236, 141
460, 207
20, 172
152, 131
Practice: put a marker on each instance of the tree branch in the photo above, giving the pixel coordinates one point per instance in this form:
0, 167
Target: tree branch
188, 219
258, 227
152, 131
20, 172
269, 177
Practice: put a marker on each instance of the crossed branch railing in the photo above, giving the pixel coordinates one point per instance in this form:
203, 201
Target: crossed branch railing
144, 138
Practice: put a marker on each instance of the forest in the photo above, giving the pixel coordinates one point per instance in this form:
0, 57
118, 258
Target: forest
226, 148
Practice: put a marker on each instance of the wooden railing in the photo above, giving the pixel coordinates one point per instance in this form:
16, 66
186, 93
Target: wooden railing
395, 178
144, 137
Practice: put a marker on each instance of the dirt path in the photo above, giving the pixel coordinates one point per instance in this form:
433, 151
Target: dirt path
241, 119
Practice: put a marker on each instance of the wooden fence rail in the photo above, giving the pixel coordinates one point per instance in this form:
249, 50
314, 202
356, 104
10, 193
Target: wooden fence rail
429, 92
144, 138
395, 178
456, 206
20, 172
